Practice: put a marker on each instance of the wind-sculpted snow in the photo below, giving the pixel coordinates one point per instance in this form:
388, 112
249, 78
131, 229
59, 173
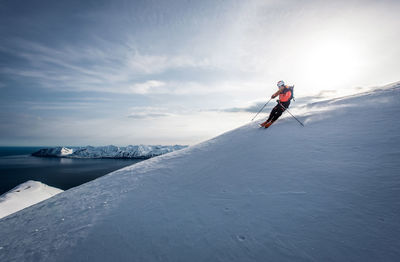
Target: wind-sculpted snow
140, 151
328, 191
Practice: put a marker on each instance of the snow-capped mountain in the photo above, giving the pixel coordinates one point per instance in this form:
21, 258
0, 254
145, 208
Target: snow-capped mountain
328, 191
139, 151
25, 195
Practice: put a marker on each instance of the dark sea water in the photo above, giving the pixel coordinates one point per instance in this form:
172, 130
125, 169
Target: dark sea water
18, 166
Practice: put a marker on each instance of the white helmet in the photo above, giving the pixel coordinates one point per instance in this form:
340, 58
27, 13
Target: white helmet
280, 83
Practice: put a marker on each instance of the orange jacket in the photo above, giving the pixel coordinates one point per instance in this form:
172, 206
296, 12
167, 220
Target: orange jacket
284, 94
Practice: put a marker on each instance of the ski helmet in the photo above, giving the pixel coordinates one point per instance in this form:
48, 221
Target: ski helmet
280, 83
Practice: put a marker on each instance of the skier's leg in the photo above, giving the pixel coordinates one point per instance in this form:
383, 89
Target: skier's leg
281, 108
278, 113
271, 115
273, 112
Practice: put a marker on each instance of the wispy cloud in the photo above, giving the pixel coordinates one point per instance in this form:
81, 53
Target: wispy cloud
147, 115
151, 86
75, 68
59, 106
150, 112
193, 88
152, 64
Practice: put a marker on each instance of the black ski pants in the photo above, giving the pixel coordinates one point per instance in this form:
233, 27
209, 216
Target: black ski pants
278, 110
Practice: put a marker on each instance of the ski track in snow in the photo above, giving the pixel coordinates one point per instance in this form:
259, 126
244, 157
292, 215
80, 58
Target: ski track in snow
327, 192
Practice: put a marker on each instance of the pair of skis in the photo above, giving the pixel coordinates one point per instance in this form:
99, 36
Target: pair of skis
267, 123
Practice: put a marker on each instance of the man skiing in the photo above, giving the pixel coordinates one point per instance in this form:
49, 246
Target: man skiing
285, 94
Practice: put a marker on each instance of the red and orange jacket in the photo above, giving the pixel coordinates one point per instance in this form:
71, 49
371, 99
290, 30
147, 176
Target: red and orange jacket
285, 94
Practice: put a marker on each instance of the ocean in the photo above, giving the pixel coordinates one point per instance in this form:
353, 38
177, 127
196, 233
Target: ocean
18, 166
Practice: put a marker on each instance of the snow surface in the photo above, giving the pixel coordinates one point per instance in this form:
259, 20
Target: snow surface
329, 191
139, 151
25, 195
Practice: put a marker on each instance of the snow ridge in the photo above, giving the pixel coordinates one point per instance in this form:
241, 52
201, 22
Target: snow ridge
328, 191
25, 195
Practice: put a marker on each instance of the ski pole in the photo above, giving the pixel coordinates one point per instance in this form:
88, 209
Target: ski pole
261, 109
291, 114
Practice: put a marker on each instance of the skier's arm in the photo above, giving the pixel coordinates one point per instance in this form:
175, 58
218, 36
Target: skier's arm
277, 92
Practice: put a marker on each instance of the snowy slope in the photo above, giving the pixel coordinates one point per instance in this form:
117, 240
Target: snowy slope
327, 192
139, 151
25, 195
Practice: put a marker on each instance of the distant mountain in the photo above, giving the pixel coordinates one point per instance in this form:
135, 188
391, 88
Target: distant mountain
136, 152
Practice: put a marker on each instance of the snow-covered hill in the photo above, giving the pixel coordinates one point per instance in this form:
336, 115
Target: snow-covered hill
327, 192
138, 152
25, 195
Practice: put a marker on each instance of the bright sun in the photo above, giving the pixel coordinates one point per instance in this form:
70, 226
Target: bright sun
333, 61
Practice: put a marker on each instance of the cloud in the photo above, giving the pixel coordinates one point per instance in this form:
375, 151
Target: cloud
93, 69
151, 86
152, 64
51, 106
88, 68
149, 113
192, 88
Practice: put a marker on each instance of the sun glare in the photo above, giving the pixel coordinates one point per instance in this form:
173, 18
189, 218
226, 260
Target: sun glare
332, 61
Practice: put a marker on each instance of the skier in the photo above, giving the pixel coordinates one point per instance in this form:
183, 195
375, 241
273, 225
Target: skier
285, 95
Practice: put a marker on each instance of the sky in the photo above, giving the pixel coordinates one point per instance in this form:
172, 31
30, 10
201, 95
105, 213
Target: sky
178, 72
